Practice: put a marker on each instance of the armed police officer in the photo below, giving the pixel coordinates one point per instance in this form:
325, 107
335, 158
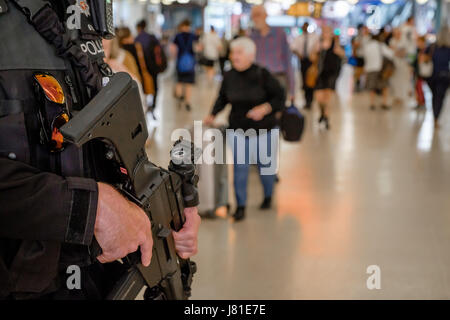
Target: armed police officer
53, 203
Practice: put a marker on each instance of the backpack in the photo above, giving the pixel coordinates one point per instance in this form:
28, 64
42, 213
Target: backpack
186, 61
160, 58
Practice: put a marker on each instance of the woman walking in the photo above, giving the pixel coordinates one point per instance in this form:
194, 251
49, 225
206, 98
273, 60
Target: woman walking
255, 97
185, 65
328, 54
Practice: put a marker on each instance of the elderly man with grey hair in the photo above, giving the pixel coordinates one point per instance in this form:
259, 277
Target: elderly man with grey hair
255, 96
273, 51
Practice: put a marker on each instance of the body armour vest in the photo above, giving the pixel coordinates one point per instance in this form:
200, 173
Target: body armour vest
31, 268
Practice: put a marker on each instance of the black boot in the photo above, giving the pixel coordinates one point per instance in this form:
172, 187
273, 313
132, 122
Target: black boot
322, 113
239, 214
267, 203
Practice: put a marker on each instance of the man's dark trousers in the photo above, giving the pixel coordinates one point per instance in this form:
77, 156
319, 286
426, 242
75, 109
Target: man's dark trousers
305, 63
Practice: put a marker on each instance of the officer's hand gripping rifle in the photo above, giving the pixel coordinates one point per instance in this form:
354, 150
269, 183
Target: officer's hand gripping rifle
115, 115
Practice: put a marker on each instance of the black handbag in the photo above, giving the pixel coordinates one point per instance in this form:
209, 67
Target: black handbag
292, 123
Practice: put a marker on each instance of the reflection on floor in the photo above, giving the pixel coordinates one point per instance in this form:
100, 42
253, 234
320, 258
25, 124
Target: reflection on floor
374, 190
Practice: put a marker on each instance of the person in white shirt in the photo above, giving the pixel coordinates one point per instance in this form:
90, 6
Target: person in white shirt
409, 39
377, 81
211, 45
401, 81
302, 46
358, 44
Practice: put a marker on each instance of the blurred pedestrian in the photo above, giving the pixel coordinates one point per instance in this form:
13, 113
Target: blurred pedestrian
409, 39
400, 83
224, 53
329, 55
127, 42
419, 79
185, 63
385, 34
440, 78
358, 44
121, 60
302, 46
255, 97
375, 51
211, 45
155, 57
272, 50
241, 33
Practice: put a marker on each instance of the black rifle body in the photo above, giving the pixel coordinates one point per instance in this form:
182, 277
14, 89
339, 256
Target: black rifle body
116, 117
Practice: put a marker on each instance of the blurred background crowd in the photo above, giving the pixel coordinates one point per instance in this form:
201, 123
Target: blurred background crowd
369, 180
395, 48
397, 52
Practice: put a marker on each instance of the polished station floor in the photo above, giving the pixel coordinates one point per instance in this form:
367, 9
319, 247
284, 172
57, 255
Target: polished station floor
374, 190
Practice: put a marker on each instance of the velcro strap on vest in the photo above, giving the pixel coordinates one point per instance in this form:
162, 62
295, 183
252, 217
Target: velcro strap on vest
46, 22
9, 107
31, 7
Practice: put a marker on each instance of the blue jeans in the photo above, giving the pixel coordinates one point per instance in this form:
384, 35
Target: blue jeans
265, 160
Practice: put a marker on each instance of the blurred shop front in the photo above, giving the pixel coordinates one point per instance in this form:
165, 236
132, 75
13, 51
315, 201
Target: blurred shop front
228, 16
128, 13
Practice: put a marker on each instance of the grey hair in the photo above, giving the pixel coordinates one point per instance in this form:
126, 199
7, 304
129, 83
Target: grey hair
443, 37
246, 43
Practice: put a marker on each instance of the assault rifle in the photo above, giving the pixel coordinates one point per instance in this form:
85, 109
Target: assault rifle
115, 116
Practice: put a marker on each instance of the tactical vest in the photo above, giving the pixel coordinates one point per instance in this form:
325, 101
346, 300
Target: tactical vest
75, 59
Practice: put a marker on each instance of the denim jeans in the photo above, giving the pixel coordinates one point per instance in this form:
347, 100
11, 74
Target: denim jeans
264, 157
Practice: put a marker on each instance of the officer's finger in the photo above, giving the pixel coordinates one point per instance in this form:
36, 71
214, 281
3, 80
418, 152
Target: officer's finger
185, 254
103, 258
185, 233
184, 248
146, 252
186, 243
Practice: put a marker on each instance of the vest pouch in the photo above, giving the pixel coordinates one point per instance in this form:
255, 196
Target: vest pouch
35, 268
13, 138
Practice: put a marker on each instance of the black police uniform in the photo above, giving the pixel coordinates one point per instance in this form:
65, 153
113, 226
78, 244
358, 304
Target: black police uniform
48, 200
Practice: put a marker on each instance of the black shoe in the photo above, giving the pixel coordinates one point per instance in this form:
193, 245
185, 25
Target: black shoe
188, 107
372, 107
322, 118
210, 214
385, 107
239, 214
267, 203
327, 123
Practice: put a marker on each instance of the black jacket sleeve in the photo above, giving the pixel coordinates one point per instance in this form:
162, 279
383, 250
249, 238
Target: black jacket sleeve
37, 205
222, 99
275, 92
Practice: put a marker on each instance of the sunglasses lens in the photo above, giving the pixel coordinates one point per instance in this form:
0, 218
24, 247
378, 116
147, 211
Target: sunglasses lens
57, 137
52, 89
